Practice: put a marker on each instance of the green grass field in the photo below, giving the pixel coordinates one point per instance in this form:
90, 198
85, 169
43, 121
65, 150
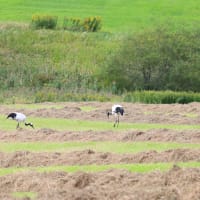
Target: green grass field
114, 147
84, 125
22, 195
26, 54
138, 168
117, 15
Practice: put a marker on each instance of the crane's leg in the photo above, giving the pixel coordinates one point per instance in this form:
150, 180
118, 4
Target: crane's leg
114, 124
115, 120
17, 125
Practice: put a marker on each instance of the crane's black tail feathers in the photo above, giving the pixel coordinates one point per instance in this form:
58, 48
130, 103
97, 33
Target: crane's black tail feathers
29, 124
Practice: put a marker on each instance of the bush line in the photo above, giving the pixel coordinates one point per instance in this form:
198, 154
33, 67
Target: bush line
44, 21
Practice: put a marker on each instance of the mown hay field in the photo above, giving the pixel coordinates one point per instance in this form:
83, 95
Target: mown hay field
74, 152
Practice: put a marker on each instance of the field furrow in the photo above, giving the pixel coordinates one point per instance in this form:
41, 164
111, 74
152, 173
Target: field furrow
87, 157
74, 152
176, 183
50, 135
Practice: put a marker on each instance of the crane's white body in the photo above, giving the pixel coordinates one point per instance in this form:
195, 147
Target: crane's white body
114, 107
20, 118
117, 110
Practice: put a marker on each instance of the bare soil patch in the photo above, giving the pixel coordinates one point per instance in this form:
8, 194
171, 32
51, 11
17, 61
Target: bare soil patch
134, 112
179, 184
87, 157
49, 135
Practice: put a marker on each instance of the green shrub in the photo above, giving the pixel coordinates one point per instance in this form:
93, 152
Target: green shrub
86, 97
45, 95
48, 94
72, 24
44, 21
40, 79
89, 24
92, 24
155, 60
163, 97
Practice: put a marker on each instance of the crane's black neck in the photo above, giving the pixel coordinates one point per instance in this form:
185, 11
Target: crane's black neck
12, 115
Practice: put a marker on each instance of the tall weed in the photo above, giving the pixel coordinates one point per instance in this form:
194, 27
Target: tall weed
40, 21
162, 97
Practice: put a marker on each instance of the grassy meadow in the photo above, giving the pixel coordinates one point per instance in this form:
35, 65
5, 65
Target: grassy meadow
57, 65
117, 15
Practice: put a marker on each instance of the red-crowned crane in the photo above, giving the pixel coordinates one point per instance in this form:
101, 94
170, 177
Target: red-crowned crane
20, 118
117, 110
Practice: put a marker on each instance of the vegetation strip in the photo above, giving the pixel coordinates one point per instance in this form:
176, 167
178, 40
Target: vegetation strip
84, 125
22, 195
117, 16
116, 147
139, 168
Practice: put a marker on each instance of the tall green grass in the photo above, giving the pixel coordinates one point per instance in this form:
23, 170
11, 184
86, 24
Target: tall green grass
38, 66
52, 65
162, 97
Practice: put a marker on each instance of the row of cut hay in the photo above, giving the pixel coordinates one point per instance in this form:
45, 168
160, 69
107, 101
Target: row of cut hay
57, 170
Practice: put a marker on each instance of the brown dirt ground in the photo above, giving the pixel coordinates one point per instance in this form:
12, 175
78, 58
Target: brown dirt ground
87, 157
49, 135
176, 184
